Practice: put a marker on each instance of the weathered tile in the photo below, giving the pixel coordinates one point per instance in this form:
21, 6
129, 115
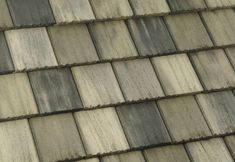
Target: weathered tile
148, 7
230, 141
213, 69
55, 90
66, 11
30, 48
218, 109
101, 131
89, 160
151, 36
57, 137
107, 9
72, 44
137, 79
231, 55
209, 150
184, 5
176, 74
16, 96
16, 142
188, 31
5, 17
221, 25
183, 118
135, 156
174, 153
6, 64
112, 40
97, 85
31, 12
220, 3
143, 124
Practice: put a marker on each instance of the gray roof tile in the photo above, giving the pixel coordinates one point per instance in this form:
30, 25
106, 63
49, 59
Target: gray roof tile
230, 141
231, 55
5, 17
89, 160
135, 156
220, 3
184, 5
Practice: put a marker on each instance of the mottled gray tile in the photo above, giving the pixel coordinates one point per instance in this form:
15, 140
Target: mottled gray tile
5, 17
183, 5
220, 3
135, 156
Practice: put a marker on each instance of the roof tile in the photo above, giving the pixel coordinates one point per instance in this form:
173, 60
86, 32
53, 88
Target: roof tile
5, 17
231, 55
184, 5
230, 141
89, 160
220, 3
125, 157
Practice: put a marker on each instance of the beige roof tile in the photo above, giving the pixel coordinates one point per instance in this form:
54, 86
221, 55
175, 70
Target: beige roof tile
220, 3
89, 160
135, 156
231, 55
230, 141
5, 17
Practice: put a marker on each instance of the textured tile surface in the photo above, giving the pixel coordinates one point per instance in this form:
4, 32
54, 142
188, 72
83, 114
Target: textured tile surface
221, 25
209, 150
219, 111
230, 141
72, 44
231, 55
56, 137
97, 85
137, 79
146, 7
176, 74
151, 36
30, 48
71, 10
213, 69
188, 31
5, 17
183, 118
101, 131
175, 153
220, 3
143, 124
16, 97
112, 40
125, 157
16, 142
182, 5
89, 160
30, 12
107, 9
55, 90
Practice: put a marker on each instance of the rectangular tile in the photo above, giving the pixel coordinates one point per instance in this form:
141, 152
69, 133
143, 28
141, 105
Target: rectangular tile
30, 48
231, 55
220, 3
112, 40
66, 11
184, 5
143, 124
16, 142
230, 141
137, 79
176, 74
101, 131
135, 156
221, 25
188, 31
213, 69
55, 90
183, 118
97, 85
218, 109
5, 17
151, 36
57, 137
72, 44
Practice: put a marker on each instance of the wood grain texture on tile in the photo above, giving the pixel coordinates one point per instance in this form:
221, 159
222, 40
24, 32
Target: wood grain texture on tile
220, 3
5, 17
231, 55
176, 74
30, 48
151, 36
209, 150
16, 142
97, 85
137, 79
16, 97
188, 31
135, 156
221, 25
101, 131
112, 40
107, 9
66, 11
30, 12
72, 44
89, 160
184, 5
214, 69
230, 141
56, 137
174, 153
219, 110
148, 7
55, 90
143, 124
183, 118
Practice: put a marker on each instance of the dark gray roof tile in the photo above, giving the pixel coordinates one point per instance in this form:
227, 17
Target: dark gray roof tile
184, 5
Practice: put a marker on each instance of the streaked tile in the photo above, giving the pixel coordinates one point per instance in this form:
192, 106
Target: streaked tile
137, 79
57, 137
5, 17
143, 124
101, 131
230, 141
231, 55
135, 156
220, 3
184, 5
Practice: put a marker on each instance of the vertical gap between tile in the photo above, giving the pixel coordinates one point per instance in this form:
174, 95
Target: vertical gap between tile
188, 153
50, 6
144, 156
229, 60
228, 148
10, 13
92, 8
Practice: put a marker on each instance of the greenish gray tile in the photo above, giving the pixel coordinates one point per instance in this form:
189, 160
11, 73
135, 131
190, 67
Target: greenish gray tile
184, 5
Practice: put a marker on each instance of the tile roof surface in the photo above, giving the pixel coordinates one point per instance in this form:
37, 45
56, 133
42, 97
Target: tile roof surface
117, 80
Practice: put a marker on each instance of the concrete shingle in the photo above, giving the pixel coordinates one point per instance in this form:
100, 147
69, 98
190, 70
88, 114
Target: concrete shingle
220, 3
184, 5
